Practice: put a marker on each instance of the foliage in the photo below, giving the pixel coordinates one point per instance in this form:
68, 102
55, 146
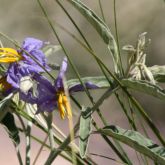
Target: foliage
31, 92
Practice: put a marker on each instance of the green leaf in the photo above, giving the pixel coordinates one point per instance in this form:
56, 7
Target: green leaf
102, 29
3, 105
158, 72
136, 141
145, 87
97, 22
51, 50
85, 129
138, 85
11, 128
99, 81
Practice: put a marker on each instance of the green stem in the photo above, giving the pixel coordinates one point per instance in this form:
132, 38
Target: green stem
54, 153
117, 36
40, 150
131, 121
64, 155
50, 131
24, 130
18, 154
28, 144
101, 9
89, 111
74, 23
106, 157
28, 140
112, 146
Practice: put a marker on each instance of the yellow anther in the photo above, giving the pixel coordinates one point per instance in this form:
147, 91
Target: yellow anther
61, 106
64, 106
62, 111
67, 105
8, 55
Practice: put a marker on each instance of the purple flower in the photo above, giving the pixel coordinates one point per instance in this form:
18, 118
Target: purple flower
53, 96
26, 65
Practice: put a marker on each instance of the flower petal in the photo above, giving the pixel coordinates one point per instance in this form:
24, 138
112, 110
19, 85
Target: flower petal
63, 69
28, 97
47, 105
46, 94
15, 73
30, 44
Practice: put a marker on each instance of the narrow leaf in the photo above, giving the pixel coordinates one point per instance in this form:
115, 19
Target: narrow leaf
158, 72
51, 50
102, 29
137, 141
9, 123
144, 86
3, 105
100, 82
85, 129
97, 23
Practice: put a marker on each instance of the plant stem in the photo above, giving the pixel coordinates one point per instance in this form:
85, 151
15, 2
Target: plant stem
50, 131
40, 150
117, 36
101, 9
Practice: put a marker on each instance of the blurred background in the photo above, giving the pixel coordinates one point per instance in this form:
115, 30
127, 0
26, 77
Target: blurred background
21, 19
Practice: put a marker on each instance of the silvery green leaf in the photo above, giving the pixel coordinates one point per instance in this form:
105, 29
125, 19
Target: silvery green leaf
84, 133
51, 49
3, 105
142, 39
136, 141
145, 87
54, 66
100, 81
129, 48
158, 72
11, 128
102, 29
32, 109
148, 75
97, 22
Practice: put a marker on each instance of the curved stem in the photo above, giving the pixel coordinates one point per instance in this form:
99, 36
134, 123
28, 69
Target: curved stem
117, 36
101, 9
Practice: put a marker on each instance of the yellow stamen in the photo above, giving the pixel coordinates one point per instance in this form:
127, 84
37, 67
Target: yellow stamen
64, 106
61, 106
67, 105
8, 55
